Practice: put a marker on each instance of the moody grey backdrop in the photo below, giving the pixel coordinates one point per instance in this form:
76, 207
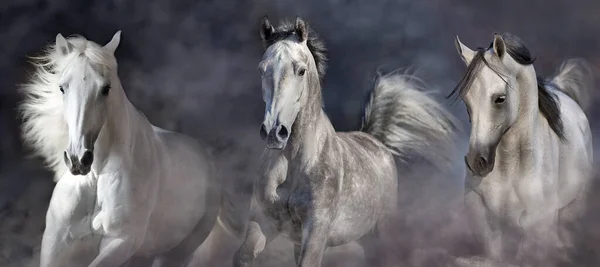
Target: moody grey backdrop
191, 66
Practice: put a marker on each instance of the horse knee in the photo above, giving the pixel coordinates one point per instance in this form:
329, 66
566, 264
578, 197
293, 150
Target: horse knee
253, 245
256, 235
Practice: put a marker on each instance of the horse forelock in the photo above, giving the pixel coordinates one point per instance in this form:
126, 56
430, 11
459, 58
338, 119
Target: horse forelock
291, 50
315, 45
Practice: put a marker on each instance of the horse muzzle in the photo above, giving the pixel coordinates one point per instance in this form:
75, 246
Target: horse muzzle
480, 162
276, 137
79, 165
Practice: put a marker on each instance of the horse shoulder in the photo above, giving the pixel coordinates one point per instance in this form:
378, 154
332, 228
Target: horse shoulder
72, 204
328, 164
127, 187
362, 149
317, 186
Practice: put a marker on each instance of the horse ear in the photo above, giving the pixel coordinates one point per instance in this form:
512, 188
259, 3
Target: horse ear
301, 29
465, 53
114, 42
499, 46
266, 29
62, 45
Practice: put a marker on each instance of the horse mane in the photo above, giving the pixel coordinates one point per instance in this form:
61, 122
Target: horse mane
43, 127
547, 101
315, 45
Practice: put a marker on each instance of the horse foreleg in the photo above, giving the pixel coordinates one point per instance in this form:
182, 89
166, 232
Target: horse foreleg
257, 237
55, 243
540, 243
372, 246
140, 262
183, 253
116, 252
58, 249
485, 229
314, 241
67, 239
296, 253
570, 227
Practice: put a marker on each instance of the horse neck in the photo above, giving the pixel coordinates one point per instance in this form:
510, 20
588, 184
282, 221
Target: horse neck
311, 128
524, 133
124, 126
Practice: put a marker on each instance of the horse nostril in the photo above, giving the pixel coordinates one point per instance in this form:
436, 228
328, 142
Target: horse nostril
263, 132
87, 158
282, 133
482, 162
66, 158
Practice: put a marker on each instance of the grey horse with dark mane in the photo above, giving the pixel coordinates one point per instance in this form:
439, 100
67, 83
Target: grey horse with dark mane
322, 188
530, 155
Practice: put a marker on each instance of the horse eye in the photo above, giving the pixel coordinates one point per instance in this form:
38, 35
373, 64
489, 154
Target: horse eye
301, 72
61, 89
105, 90
500, 99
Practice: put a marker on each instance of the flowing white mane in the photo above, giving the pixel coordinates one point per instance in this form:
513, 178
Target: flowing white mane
44, 128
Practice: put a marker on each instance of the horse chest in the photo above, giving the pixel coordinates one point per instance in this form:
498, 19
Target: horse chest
274, 201
509, 199
114, 205
500, 198
294, 200
102, 212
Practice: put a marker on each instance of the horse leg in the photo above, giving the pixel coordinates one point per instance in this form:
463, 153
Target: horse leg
218, 246
540, 243
224, 238
569, 227
115, 251
67, 236
60, 249
257, 238
139, 262
314, 240
372, 246
55, 242
296, 253
183, 253
486, 230
373, 243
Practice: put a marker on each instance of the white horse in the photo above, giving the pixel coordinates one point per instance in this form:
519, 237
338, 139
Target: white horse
530, 153
127, 192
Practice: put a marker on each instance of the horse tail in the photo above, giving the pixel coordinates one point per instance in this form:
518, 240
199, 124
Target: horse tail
229, 216
575, 78
409, 121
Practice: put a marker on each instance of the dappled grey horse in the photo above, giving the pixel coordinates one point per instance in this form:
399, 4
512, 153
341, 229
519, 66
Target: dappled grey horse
530, 152
318, 187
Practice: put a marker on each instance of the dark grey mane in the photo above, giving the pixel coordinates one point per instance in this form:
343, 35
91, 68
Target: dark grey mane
315, 45
547, 101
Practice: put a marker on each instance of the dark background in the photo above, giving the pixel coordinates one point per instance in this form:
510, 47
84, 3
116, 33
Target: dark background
191, 66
